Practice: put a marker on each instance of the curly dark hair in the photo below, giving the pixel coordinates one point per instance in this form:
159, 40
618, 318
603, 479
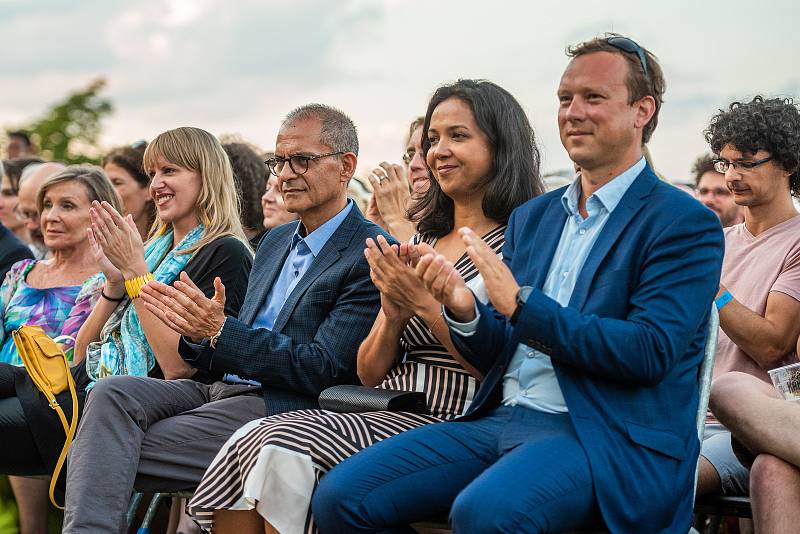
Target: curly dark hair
770, 124
514, 177
250, 175
702, 165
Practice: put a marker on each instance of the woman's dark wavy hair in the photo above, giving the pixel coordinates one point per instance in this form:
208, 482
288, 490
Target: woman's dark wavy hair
514, 177
771, 124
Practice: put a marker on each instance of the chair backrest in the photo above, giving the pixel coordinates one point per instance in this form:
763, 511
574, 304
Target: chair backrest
706, 369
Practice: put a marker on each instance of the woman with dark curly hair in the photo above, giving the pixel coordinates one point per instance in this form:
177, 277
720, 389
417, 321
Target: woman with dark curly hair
757, 147
250, 175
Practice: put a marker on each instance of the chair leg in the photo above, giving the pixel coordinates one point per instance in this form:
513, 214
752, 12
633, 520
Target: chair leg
136, 499
151, 513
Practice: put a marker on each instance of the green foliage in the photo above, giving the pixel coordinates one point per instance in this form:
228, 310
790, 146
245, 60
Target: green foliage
69, 130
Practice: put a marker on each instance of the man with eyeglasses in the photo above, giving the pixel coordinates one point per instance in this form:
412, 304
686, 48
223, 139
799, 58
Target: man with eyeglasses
590, 348
758, 149
309, 304
26, 211
712, 190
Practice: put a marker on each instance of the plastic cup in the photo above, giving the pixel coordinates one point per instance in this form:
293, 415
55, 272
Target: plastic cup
786, 380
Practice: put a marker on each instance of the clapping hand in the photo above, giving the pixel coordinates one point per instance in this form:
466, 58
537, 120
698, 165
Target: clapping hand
185, 308
119, 240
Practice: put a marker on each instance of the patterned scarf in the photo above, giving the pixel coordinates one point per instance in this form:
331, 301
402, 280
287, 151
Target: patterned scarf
123, 349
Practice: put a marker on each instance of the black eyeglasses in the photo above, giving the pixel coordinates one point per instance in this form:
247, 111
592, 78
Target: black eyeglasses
630, 46
298, 164
408, 157
722, 165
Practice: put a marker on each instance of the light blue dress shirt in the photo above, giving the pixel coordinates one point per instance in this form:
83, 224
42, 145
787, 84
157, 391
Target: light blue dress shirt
530, 379
301, 255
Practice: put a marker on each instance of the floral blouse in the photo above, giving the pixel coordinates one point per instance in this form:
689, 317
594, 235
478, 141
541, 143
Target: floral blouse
60, 311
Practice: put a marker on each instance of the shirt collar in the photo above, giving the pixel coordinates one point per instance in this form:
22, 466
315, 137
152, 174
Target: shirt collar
317, 239
609, 195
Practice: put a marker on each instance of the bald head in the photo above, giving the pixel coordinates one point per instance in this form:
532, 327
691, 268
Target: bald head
29, 185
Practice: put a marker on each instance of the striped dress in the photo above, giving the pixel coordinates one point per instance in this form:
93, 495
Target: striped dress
274, 464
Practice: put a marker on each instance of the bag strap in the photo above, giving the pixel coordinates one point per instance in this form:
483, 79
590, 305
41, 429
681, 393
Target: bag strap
69, 430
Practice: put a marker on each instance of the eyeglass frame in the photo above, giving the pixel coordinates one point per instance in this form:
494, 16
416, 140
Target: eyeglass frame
738, 165
408, 158
626, 44
23, 217
307, 159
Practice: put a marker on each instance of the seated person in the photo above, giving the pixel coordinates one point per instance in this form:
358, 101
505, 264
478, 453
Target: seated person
596, 325
403, 349
124, 167
757, 145
10, 173
250, 175
309, 304
12, 250
57, 294
395, 188
766, 426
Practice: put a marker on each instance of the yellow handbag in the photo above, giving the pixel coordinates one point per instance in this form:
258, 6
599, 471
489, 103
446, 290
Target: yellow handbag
48, 368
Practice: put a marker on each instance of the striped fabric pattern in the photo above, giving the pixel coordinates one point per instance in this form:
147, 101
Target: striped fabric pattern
273, 464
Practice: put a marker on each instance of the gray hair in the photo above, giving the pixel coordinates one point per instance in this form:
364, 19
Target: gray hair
28, 171
338, 131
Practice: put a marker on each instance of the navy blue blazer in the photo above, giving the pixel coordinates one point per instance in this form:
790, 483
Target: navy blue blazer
315, 339
627, 348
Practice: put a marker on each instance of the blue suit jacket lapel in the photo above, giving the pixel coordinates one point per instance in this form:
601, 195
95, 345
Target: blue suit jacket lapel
545, 241
327, 256
263, 278
631, 202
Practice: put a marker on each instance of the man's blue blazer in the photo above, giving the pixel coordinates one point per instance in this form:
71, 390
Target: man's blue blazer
627, 348
315, 339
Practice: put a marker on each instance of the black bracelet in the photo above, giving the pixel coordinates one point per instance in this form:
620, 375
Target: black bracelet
103, 294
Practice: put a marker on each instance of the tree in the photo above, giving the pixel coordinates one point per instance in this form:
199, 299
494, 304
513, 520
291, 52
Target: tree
69, 130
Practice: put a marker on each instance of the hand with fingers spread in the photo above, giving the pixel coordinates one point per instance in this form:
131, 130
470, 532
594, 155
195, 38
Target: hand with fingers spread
185, 308
500, 283
113, 275
394, 276
118, 238
445, 284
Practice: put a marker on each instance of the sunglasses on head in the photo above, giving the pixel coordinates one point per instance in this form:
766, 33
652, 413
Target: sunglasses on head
630, 46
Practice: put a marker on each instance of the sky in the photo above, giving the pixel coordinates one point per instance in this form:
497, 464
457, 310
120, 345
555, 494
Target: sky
236, 67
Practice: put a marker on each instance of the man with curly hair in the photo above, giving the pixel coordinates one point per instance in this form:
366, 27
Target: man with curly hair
711, 189
757, 144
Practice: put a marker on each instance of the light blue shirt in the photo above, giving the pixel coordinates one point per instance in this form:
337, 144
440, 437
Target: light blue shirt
301, 255
530, 379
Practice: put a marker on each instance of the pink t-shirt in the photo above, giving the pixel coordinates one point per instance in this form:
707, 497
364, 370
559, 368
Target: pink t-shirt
753, 267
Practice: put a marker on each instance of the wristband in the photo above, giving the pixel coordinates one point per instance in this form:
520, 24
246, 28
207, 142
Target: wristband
723, 300
134, 286
103, 294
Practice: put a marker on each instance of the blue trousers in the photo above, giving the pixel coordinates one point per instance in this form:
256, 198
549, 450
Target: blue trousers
512, 470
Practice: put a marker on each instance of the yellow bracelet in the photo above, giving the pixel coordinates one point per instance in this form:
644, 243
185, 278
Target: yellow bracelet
134, 286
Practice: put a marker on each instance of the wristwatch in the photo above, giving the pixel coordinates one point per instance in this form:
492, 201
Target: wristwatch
522, 297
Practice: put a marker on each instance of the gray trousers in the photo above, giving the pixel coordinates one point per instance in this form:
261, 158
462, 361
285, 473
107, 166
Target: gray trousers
154, 435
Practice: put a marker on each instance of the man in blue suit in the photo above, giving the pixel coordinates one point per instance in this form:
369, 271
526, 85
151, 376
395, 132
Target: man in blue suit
590, 348
309, 304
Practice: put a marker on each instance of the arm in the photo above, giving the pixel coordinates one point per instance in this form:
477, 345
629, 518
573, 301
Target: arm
666, 309
276, 360
768, 339
380, 351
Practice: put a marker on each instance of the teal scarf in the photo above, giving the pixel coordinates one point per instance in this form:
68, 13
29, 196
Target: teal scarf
123, 349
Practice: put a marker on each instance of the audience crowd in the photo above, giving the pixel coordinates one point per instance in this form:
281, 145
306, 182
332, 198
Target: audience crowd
454, 334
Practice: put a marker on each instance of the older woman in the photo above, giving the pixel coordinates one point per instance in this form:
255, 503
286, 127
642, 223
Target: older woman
56, 294
395, 188
264, 476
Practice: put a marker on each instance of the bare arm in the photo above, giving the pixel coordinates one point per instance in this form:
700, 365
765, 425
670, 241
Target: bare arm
768, 339
90, 331
380, 350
